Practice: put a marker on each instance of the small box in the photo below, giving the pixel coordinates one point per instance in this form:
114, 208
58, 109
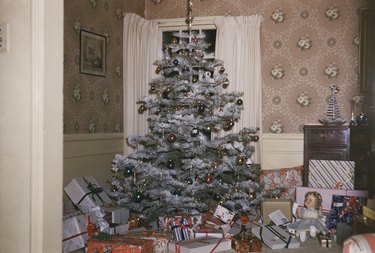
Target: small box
275, 237
325, 240
246, 242
224, 214
331, 174
200, 245
271, 205
218, 233
86, 193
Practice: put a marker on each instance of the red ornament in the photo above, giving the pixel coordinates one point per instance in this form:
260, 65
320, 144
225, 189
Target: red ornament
158, 69
208, 179
171, 138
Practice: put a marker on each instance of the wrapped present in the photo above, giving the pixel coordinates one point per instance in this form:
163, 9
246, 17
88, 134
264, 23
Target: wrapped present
181, 227
206, 244
77, 228
137, 221
327, 195
160, 239
275, 237
104, 243
86, 193
345, 209
246, 242
325, 240
331, 174
210, 221
214, 232
164, 222
224, 214
269, 206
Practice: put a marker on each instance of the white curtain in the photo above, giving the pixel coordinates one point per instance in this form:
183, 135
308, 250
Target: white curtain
139, 52
238, 45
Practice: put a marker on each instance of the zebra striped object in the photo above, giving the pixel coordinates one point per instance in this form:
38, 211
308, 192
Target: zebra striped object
331, 174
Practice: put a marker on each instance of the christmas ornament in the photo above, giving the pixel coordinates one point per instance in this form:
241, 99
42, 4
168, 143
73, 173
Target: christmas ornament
194, 132
195, 79
175, 62
168, 89
215, 164
222, 70
208, 179
137, 196
240, 160
195, 40
189, 181
207, 129
207, 74
201, 108
255, 138
128, 171
225, 83
158, 69
239, 102
171, 138
170, 164
174, 40
217, 197
142, 109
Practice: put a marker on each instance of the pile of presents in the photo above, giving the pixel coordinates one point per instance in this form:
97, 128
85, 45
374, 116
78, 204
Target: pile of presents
99, 226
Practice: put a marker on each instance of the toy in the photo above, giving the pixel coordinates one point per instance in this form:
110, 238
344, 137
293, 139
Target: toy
310, 217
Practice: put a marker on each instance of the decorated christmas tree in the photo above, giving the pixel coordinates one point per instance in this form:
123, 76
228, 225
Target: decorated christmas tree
190, 161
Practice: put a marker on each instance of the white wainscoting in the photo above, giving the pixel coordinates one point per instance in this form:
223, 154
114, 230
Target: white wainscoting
282, 150
90, 154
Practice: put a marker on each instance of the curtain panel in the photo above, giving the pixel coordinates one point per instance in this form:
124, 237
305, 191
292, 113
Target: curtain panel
140, 51
238, 45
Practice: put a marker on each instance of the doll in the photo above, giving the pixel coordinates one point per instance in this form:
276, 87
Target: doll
310, 217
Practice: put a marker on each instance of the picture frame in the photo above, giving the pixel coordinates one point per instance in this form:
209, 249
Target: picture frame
92, 53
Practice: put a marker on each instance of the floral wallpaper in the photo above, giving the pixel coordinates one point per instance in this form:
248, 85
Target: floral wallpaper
94, 104
307, 45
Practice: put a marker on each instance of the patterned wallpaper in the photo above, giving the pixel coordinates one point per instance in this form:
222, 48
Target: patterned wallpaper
307, 45
94, 104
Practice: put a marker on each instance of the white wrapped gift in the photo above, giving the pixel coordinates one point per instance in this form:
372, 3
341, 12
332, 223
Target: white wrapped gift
275, 237
331, 174
200, 245
75, 230
224, 214
86, 193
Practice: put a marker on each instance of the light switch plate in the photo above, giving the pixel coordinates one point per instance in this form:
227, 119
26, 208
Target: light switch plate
4, 37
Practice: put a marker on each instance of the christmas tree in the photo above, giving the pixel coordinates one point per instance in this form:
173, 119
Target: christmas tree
190, 161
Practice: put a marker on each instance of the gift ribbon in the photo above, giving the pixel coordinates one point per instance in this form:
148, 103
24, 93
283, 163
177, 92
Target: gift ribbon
93, 190
91, 230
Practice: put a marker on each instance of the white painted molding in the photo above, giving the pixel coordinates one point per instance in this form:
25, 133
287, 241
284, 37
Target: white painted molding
282, 150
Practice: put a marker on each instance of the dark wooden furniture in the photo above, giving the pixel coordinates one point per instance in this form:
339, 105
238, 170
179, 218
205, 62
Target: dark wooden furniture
341, 143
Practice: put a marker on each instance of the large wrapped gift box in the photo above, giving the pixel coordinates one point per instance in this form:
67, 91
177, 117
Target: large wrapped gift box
200, 245
345, 209
275, 237
112, 220
326, 195
77, 228
104, 243
86, 193
331, 174
269, 206
246, 242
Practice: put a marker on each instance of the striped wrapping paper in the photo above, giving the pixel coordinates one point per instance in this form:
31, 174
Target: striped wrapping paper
331, 174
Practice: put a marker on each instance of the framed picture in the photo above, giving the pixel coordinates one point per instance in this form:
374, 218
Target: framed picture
93, 54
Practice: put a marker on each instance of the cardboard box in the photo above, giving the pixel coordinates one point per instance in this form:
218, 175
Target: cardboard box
331, 174
86, 193
200, 245
275, 237
269, 206
326, 195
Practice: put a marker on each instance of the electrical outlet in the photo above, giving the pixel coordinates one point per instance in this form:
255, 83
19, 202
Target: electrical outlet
4, 37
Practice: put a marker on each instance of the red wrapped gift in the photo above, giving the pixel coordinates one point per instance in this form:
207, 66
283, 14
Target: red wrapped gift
246, 242
160, 239
118, 244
